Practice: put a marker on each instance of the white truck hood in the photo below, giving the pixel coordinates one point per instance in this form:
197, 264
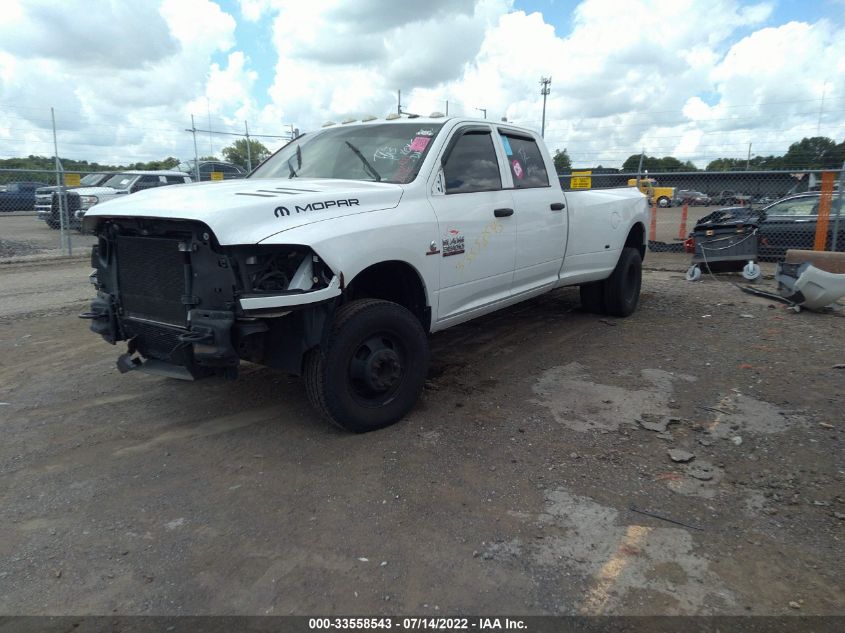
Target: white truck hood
94, 191
248, 211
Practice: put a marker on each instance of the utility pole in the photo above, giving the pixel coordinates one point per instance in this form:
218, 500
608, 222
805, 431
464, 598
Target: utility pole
399, 102
447, 107
484, 110
248, 149
63, 219
208, 109
545, 82
821, 110
748, 160
193, 130
640, 167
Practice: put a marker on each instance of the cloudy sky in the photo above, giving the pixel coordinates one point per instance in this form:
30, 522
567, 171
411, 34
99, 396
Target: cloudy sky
696, 79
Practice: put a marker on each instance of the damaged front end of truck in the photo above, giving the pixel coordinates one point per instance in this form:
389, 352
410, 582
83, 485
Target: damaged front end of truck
188, 307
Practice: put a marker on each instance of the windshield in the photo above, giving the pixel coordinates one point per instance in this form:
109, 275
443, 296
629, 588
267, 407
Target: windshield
380, 153
120, 181
91, 179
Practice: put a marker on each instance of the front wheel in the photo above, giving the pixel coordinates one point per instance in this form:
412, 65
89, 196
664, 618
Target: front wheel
663, 202
622, 288
372, 369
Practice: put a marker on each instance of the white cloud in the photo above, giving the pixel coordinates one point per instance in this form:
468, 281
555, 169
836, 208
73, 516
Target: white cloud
683, 77
49, 30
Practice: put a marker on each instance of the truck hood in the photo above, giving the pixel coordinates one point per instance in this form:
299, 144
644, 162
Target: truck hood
248, 211
96, 191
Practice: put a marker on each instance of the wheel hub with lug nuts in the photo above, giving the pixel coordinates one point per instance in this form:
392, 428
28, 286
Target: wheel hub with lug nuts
382, 370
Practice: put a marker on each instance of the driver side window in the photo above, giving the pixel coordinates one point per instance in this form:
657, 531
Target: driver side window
796, 208
472, 165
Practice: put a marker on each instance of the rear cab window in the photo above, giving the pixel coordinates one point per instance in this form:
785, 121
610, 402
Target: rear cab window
525, 160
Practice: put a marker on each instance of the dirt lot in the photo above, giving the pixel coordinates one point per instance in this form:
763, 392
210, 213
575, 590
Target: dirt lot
22, 234
507, 490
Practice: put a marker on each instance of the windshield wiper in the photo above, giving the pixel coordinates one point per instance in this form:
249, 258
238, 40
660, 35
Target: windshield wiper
293, 173
370, 169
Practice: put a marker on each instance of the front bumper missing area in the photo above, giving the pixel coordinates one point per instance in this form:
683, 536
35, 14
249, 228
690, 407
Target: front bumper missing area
206, 347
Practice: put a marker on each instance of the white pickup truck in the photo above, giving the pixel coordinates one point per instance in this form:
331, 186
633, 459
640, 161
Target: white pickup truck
336, 257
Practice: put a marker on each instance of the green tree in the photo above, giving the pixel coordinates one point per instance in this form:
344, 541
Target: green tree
817, 152
167, 163
563, 165
237, 153
726, 164
657, 164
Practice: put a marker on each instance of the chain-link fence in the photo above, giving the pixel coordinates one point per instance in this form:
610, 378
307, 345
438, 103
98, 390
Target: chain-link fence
42, 210
795, 209
58, 191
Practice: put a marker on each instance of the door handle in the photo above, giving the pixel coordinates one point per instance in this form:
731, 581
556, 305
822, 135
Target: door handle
557, 206
503, 213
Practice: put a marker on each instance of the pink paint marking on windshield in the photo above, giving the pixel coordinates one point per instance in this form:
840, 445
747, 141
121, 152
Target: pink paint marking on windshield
420, 143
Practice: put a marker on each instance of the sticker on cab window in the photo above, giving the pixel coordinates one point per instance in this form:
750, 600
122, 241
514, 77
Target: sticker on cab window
507, 145
517, 169
420, 143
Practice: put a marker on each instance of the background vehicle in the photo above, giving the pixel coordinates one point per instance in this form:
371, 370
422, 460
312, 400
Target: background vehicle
792, 223
18, 196
207, 167
692, 198
730, 197
49, 212
787, 223
81, 199
342, 250
661, 196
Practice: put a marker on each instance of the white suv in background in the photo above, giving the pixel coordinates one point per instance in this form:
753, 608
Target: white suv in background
82, 199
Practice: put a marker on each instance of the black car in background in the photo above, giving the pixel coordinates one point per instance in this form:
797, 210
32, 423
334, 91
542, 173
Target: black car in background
792, 223
692, 198
18, 196
787, 223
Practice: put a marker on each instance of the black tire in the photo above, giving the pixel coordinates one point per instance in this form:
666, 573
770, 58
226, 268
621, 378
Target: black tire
592, 297
663, 202
622, 288
372, 368
53, 224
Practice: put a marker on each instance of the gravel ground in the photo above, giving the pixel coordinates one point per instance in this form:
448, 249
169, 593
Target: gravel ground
519, 484
13, 248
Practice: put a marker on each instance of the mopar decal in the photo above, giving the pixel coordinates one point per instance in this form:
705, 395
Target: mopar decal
316, 206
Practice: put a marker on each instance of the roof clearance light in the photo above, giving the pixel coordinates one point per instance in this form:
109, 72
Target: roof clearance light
348, 121
328, 123
436, 115
367, 118
392, 116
